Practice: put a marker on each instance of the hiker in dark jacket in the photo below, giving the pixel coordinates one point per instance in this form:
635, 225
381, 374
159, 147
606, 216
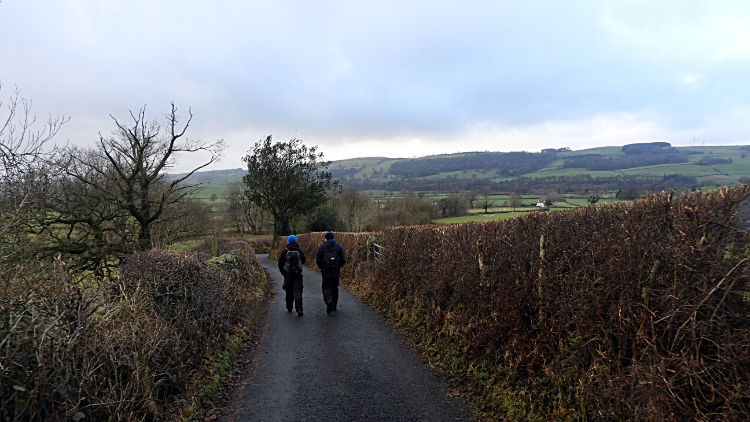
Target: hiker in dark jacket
292, 282
330, 258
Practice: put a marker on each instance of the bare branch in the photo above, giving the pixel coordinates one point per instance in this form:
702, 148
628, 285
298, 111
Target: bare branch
136, 155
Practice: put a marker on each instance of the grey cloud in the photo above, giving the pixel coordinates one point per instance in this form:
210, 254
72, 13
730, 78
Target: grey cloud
366, 70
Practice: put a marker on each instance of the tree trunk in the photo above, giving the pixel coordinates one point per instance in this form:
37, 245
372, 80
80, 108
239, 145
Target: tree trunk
144, 238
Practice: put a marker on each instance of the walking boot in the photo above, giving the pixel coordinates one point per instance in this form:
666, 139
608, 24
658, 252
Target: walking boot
328, 300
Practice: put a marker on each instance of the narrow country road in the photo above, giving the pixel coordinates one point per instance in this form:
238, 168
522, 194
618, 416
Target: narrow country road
343, 366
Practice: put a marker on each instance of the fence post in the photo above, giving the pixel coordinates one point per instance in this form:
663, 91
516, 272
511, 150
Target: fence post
214, 246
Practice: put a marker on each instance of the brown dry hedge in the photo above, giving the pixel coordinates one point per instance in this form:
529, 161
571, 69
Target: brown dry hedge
615, 312
116, 353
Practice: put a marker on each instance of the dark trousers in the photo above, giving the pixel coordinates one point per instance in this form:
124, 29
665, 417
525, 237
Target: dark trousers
331, 290
293, 288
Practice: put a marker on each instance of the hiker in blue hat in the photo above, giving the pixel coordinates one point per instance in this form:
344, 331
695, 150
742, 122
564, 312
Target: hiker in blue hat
291, 260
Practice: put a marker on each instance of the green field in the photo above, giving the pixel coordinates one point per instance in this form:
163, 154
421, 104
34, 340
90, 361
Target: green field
464, 174
549, 172
582, 202
613, 151
687, 169
368, 165
501, 213
481, 217
205, 191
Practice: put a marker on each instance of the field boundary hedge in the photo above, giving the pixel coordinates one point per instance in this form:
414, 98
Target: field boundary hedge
615, 312
71, 350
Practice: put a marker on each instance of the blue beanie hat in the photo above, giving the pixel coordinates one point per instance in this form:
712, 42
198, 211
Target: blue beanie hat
329, 236
291, 238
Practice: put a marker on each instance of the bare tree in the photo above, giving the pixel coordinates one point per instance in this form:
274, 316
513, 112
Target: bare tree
486, 203
453, 205
137, 156
242, 212
356, 209
235, 208
404, 211
183, 220
22, 153
78, 216
553, 196
472, 196
20, 143
515, 200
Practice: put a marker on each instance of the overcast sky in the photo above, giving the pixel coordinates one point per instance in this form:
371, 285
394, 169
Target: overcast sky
389, 78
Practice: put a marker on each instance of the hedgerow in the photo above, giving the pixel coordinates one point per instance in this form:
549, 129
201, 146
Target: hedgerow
616, 312
70, 350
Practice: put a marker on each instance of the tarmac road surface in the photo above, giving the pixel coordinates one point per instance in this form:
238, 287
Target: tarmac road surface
343, 366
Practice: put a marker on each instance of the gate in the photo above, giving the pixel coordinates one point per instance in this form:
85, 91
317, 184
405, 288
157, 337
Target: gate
377, 252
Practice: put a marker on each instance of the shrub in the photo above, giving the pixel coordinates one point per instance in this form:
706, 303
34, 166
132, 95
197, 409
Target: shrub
115, 353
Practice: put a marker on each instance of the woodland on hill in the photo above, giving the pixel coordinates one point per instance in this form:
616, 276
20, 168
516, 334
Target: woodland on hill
509, 164
635, 168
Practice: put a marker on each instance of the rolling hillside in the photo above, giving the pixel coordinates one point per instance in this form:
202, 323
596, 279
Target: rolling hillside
700, 166
714, 174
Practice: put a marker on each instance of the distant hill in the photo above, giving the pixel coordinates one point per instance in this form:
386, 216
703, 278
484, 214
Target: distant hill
507, 164
655, 164
214, 177
715, 166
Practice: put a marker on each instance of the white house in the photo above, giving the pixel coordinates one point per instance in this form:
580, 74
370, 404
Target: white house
540, 203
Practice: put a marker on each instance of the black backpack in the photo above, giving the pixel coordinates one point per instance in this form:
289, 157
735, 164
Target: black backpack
330, 258
293, 265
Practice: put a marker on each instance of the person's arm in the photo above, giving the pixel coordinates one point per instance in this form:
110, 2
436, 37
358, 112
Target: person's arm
302, 257
319, 257
282, 262
342, 258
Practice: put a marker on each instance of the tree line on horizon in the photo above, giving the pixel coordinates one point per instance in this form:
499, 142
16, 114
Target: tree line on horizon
505, 164
580, 184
